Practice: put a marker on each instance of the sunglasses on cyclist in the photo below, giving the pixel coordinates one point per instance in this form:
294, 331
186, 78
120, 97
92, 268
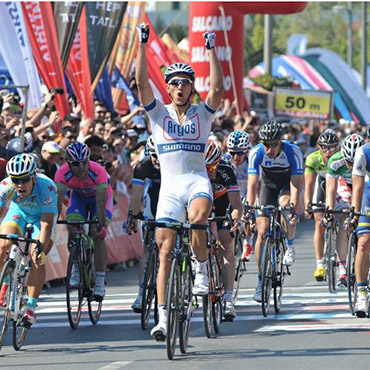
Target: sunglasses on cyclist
178, 81
241, 152
271, 145
154, 156
212, 167
328, 149
79, 163
22, 180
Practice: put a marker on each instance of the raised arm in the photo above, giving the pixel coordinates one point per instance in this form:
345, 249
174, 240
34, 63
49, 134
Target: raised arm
214, 95
141, 72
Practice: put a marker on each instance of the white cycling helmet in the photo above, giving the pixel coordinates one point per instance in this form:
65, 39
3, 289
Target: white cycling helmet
238, 140
21, 165
349, 146
213, 153
179, 68
149, 147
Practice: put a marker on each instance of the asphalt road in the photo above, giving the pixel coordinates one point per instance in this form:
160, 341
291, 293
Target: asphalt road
313, 331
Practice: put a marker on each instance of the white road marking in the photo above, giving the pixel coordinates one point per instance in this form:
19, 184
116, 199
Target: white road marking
115, 365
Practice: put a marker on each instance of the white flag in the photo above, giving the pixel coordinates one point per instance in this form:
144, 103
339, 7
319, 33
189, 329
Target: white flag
297, 44
16, 52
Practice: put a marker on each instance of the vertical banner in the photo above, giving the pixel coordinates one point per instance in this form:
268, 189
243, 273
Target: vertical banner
66, 16
78, 69
41, 30
16, 47
125, 48
103, 22
206, 17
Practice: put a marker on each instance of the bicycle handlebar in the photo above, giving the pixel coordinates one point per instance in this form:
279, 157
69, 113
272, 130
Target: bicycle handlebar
17, 238
81, 223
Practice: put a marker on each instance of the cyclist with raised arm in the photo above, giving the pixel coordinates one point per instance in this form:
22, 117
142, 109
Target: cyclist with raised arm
32, 201
238, 146
180, 132
315, 180
361, 202
225, 192
146, 182
339, 194
90, 189
281, 165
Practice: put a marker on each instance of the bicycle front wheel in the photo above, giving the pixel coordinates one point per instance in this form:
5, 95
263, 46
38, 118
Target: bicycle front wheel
149, 286
172, 303
186, 304
280, 273
218, 293
93, 305
331, 261
19, 330
74, 294
240, 264
6, 288
351, 276
266, 277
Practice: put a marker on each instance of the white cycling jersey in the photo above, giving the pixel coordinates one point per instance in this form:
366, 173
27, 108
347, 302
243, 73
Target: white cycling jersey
181, 153
241, 173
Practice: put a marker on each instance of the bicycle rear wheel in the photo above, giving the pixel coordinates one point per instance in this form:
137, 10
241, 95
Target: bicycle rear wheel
74, 295
149, 285
280, 273
216, 298
266, 277
19, 330
351, 276
6, 288
93, 305
172, 303
186, 304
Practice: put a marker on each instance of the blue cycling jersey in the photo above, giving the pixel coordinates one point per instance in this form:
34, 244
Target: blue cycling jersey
279, 170
361, 164
43, 198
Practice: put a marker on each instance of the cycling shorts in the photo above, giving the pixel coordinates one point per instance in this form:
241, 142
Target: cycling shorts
319, 193
220, 207
364, 222
269, 195
78, 207
16, 217
179, 191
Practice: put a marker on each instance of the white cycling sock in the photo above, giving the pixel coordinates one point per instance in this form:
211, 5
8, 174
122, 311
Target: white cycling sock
202, 267
100, 276
319, 262
162, 312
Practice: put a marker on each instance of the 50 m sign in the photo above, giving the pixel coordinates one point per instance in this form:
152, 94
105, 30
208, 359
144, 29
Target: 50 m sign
296, 103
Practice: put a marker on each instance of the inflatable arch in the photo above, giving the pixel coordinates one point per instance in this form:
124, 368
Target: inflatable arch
206, 16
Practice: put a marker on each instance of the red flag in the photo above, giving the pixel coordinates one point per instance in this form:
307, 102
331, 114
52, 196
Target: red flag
78, 69
42, 33
156, 79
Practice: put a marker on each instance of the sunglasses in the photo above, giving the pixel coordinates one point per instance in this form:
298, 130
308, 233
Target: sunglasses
71, 137
44, 137
79, 163
154, 156
237, 153
101, 112
23, 180
212, 167
328, 149
271, 145
178, 81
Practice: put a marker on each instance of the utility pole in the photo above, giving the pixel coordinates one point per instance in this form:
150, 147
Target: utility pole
364, 46
267, 45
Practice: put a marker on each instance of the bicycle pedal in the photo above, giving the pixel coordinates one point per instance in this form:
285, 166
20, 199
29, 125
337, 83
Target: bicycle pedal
228, 318
159, 336
97, 298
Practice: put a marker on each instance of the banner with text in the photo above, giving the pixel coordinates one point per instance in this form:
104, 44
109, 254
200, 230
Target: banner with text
296, 103
16, 47
42, 33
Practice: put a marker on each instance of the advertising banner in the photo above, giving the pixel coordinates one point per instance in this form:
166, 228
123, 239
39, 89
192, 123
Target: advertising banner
296, 103
16, 47
42, 33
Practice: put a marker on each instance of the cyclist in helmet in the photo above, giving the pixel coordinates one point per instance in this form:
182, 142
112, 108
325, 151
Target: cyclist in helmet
361, 202
238, 146
146, 182
339, 194
90, 188
180, 132
225, 193
315, 180
281, 165
32, 201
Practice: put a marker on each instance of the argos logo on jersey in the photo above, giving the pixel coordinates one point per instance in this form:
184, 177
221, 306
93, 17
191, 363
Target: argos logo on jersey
190, 130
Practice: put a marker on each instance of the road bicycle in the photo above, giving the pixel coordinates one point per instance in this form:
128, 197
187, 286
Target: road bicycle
81, 259
13, 276
180, 301
149, 280
273, 271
